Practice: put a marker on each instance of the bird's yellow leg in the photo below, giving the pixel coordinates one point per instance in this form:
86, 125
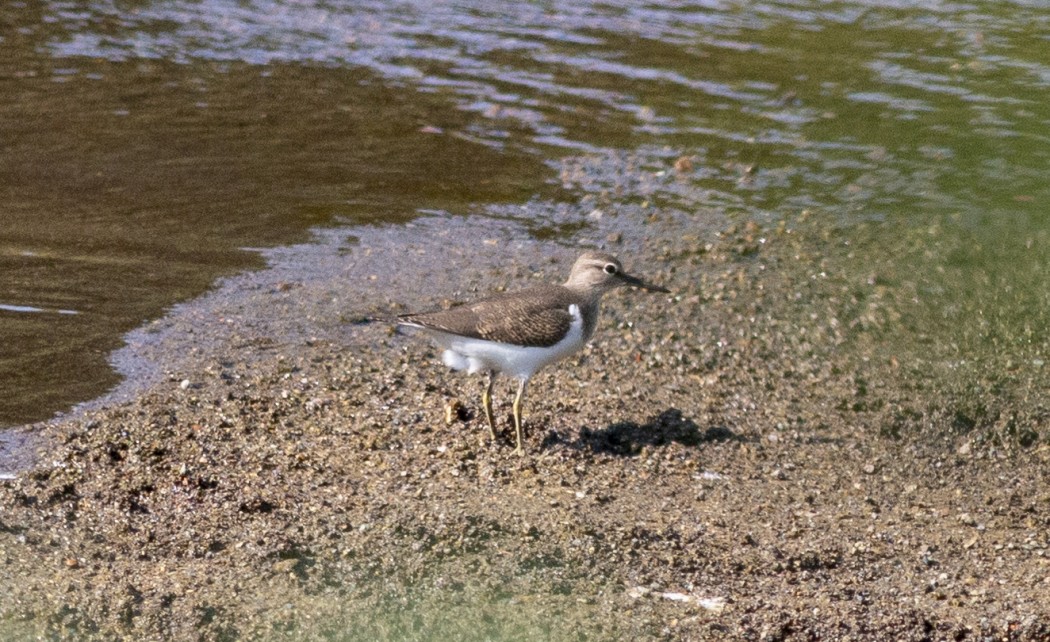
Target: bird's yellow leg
486, 401
520, 450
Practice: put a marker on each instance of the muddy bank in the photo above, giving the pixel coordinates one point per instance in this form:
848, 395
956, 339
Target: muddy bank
718, 464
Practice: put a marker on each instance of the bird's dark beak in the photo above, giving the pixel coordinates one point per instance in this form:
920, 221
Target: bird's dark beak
638, 283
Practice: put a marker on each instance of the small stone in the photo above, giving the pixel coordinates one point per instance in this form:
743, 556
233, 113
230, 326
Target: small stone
286, 566
185, 384
453, 411
713, 604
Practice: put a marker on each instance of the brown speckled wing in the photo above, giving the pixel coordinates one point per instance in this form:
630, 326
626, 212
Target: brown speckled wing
538, 317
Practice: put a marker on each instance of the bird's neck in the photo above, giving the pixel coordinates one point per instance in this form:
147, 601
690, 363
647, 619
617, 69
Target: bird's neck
589, 309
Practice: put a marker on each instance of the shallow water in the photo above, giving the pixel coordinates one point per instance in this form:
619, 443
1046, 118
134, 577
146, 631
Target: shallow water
146, 146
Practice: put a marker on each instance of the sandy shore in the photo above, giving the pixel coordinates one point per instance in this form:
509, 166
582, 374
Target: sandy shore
711, 467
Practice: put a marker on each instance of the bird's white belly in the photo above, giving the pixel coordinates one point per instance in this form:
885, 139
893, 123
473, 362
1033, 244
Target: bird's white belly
478, 355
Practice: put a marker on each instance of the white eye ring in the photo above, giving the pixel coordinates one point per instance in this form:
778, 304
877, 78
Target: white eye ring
610, 268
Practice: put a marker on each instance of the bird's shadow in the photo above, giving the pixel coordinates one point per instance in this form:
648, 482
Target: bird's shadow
627, 438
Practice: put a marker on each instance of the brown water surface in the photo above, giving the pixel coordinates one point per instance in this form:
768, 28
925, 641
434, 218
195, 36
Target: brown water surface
128, 186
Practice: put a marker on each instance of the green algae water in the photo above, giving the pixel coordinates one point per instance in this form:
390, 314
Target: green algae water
148, 148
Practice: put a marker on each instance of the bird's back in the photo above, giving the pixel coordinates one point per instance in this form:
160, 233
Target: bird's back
536, 317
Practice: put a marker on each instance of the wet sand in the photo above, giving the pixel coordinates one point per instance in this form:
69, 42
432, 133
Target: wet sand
714, 466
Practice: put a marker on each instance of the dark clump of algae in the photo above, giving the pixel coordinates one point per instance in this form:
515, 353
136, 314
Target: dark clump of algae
129, 186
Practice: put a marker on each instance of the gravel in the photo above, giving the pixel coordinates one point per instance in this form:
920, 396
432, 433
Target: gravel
717, 464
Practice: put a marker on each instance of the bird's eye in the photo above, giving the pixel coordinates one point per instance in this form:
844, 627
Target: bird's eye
610, 268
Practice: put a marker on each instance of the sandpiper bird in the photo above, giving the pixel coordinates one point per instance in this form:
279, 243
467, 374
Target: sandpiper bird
518, 333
